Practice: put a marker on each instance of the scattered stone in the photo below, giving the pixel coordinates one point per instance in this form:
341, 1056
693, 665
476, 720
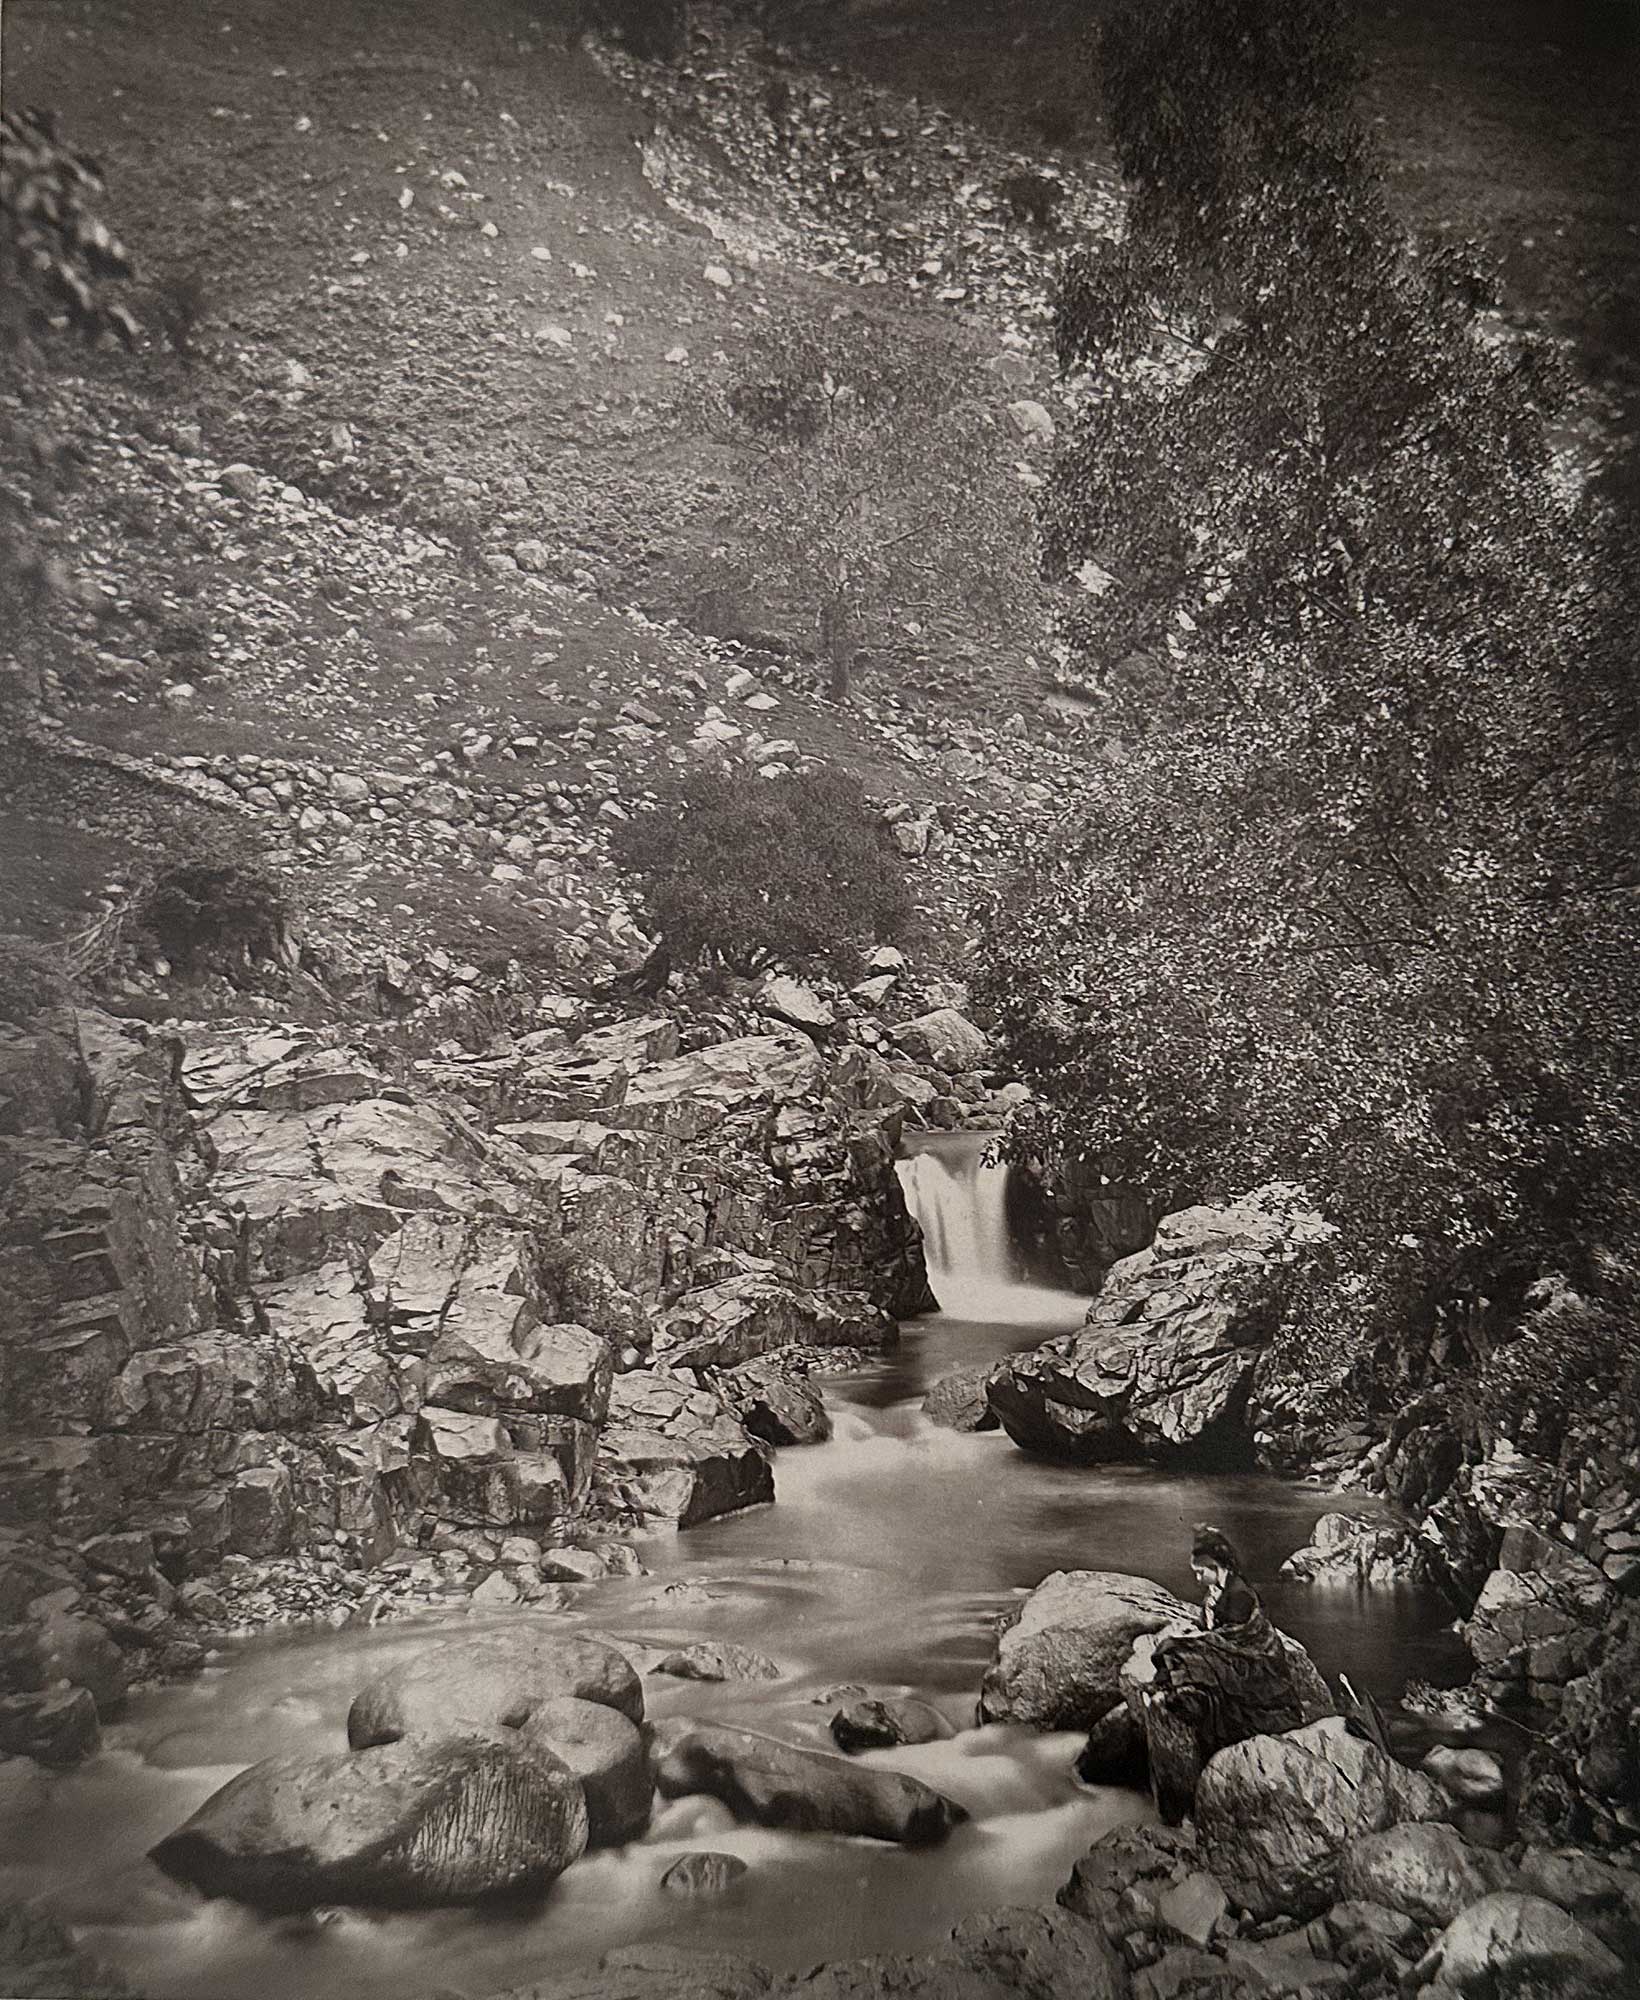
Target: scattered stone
703, 1874
883, 1725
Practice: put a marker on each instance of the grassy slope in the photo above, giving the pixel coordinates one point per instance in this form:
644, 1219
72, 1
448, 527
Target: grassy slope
410, 376
386, 360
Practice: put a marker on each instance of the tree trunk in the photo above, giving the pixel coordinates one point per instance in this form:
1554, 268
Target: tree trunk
837, 643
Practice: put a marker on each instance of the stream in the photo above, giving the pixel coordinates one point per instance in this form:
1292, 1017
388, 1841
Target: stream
884, 1563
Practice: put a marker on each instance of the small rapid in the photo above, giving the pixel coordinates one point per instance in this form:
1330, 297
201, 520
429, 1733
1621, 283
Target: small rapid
883, 1566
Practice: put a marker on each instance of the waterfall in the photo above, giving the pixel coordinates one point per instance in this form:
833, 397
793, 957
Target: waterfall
960, 1200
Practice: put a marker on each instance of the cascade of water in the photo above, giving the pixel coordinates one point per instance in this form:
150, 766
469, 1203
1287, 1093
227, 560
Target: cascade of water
959, 1197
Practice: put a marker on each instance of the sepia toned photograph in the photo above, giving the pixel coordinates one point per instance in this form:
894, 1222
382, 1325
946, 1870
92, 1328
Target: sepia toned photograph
819, 1000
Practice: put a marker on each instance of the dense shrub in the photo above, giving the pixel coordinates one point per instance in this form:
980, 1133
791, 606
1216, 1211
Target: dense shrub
749, 869
205, 915
1354, 906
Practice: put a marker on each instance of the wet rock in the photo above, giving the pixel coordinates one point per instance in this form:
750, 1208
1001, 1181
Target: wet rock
407, 1825
1121, 1880
881, 1725
607, 1752
714, 1660
775, 1405
1115, 1752
1358, 1549
1509, 1943
675, 1453
53, 1645
804, 1791
1468, 1777
1164, 1365
958, 1402
39, 1960
1428, 1872
1059, 1666
57, 1726
704, 1874
1275, 1813
491, 1680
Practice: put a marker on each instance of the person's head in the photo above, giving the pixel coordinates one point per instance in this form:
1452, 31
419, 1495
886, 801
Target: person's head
1212, 1557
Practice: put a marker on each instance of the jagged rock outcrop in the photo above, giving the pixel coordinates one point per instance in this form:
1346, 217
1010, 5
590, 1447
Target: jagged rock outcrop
430, 1821
261, 1300
1539, 1616
1163, 1368
673, 1453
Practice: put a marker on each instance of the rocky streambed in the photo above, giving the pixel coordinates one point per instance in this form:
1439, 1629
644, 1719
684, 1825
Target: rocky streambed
504, 1354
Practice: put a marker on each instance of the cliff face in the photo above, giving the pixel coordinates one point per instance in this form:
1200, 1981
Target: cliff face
272, 1311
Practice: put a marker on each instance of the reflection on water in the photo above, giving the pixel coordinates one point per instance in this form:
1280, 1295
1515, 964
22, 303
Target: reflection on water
886, 1561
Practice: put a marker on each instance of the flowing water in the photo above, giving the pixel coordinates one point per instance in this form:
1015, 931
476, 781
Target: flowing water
884, 1563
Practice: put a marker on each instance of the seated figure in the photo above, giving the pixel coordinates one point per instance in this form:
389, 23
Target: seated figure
1231, 1679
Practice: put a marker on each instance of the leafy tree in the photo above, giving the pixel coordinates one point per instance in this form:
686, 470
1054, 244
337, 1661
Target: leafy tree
879, 485
1349, 909
748, 869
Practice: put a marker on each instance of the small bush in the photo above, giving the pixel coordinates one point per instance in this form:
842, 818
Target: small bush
1032, 197
203, 914
748, 869
179, 310
652, 30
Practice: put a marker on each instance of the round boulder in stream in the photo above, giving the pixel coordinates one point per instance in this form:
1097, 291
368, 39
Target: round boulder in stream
492, 1680
1059, 1666
406, 1826
610, 1756
803, 1791
883, 1725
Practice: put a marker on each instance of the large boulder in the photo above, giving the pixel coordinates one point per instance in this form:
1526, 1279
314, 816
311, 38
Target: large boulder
1275, 1813
1164, 1365
492, 1680
945, 1038
1059, 1666
1510, 1944
958, 1402
674, 1453
1536, 1624
1427, 1871
608, 1753
776, 1405
408, 1825
1356, 1549
803, 1791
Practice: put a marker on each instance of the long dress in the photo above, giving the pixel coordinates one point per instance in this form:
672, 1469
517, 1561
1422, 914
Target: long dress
1214, 1688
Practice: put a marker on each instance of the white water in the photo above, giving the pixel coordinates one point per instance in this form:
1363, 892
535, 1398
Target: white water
885, 1562
959, 1196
